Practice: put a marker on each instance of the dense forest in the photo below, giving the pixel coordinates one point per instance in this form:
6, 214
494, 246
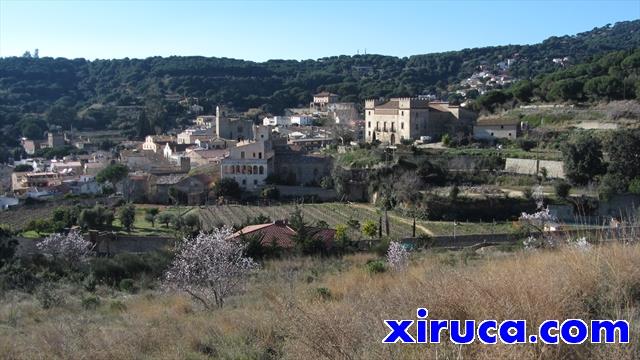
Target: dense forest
39, 93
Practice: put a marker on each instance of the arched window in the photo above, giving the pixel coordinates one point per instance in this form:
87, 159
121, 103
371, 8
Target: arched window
237, 169
255, 169
261, 169
244, 169
249, 170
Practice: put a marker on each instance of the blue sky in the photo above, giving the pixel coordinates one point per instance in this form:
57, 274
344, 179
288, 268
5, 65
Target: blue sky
261, 30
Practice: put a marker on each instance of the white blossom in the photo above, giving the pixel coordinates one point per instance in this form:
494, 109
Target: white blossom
538, 196
210, 267
397, 256
71, 247
580, 243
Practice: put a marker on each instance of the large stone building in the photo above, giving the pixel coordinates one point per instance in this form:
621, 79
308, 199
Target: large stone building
250, 162
232, 128
409, 118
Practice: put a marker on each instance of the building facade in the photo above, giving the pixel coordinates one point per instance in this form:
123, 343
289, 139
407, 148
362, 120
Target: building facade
250, 162
398, 119
232, 128
491, 129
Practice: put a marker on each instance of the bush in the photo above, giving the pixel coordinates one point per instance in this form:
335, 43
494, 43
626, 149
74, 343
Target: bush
270, 192
376, 266
562, 189
108, 271
127, 285
525, 144
91, 302
324, 293
634, 186
89, 283
117, 306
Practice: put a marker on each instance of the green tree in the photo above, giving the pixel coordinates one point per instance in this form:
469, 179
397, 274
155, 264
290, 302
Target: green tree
127, 216
583, 159
523, 90
227, 187
149, 217
624, 159
113, 173
607, 87
562, 189
165, 218
7, 246
369, 228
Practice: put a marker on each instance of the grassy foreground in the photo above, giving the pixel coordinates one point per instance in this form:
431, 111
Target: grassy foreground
306, 308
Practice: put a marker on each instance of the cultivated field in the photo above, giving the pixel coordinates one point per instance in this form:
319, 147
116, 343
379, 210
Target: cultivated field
340, 213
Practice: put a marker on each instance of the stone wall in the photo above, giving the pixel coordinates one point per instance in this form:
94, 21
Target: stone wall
555, 169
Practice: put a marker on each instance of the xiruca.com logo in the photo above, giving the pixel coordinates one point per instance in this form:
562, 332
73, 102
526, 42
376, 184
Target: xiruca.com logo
569, 331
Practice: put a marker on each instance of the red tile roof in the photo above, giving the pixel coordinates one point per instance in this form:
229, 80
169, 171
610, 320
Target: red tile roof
283, 234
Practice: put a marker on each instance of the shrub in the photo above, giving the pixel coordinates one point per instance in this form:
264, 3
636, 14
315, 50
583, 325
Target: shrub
132, 264
127, 285
117, 306
47, 296
634, 186
562, 189
376, 267
369, 228
89, 283
108, 271
324, 293
91, 302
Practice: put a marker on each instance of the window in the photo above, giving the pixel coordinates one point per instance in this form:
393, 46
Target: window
241, 154
369, 124
401, 126
369, 113
260, 155
368, 133
261, 170
255, 182
244, 181
254, 155
509, 134
402, 113
501, 126
384, 126
255, 169
491, 134
392, 127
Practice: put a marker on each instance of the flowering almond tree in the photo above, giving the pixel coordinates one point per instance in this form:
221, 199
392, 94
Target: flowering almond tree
71, 248
397, 256
536, 221
210, 267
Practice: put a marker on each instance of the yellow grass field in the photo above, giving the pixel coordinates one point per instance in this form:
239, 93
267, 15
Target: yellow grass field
311, 308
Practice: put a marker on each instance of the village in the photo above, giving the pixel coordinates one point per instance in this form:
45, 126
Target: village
342, 165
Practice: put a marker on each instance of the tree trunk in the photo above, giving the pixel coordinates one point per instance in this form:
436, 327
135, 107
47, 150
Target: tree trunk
386, 221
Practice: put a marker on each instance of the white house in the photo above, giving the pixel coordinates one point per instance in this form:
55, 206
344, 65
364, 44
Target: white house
276, 121
302, 120
491, 129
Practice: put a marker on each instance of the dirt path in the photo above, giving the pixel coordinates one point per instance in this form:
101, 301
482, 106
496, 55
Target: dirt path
396, 217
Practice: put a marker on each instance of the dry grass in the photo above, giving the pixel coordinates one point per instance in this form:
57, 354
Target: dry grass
282, 315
